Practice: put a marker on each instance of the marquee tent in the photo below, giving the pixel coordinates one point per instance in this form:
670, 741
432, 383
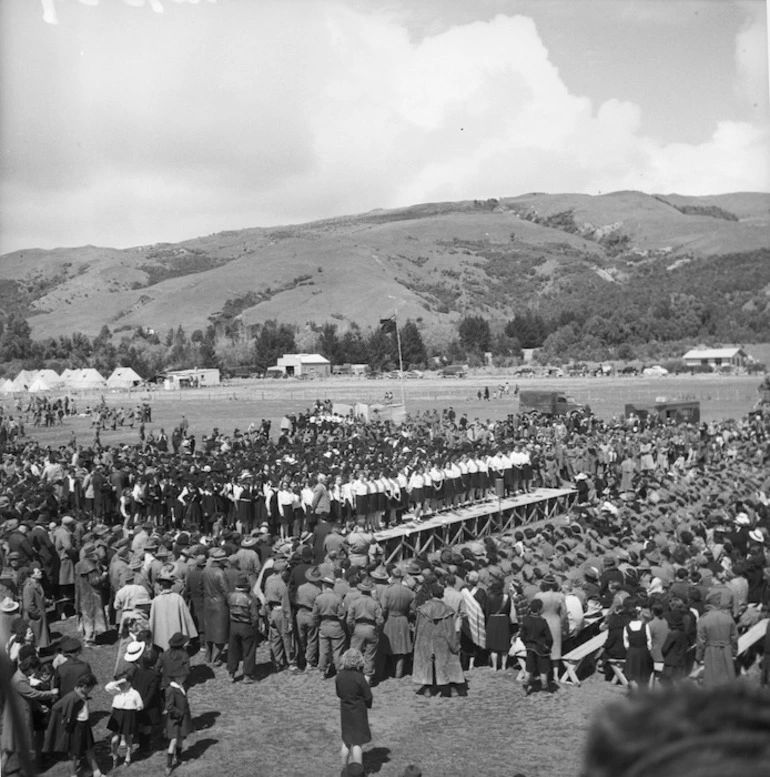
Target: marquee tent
86, 379
39, 384
123, 377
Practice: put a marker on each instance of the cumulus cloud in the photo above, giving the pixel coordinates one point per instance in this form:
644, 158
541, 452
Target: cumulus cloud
248, 114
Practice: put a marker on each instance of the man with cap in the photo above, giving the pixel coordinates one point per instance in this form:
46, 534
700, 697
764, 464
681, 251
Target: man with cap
365, 621
45, 551
307, 631
169, 613
216, 614
244, 629
66, 549
397, 609
18, 541
329, 618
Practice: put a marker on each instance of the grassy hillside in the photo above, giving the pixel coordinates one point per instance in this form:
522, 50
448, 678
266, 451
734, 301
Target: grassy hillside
437, 262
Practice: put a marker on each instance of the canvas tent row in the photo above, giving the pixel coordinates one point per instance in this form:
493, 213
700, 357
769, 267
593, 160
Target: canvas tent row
39, 384
123, 377
6, 387
85, 379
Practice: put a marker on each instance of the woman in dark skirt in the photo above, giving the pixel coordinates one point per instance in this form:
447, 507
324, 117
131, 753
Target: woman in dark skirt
497, 612
355, 697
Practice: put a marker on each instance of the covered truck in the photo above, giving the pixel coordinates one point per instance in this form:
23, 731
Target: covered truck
549, 403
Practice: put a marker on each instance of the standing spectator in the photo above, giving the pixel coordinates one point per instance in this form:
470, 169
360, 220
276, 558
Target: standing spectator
244, 630
638, 642
437, 645
64, 543
33, 607
674, 650
364, 623
126, 703
397, 609
329, 619
90, 580
355, 697
536, 636
216, 614
717, 643
69, 671
179, 723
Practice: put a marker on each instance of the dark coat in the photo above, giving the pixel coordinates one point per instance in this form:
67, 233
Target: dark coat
68, 673
216, 613
62, 722
355, 697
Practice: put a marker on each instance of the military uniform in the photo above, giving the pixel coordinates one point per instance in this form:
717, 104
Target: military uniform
280, 646
307, 631
364, 622
329, 618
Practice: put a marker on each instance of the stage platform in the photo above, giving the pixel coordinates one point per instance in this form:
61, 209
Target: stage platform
466, 524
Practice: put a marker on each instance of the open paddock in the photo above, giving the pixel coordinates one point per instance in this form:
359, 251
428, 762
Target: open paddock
238, 403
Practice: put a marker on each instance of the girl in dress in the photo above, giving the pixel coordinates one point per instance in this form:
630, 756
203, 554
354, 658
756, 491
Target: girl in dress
638, 643
126, 702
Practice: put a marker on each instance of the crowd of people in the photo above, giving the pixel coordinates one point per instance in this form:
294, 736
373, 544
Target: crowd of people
246, 540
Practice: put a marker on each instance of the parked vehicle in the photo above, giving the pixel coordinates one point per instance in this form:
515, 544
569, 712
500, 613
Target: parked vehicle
680, 412
549, 403
454, 371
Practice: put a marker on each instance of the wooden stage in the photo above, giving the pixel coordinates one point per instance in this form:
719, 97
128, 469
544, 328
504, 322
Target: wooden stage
466, 524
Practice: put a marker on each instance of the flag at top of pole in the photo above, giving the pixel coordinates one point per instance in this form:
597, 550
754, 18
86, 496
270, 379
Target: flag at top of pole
388, 325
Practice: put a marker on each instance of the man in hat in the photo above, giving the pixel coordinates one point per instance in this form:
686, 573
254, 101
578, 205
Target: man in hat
278, 615
397, 609
169, 613
717, 642
18, 541
193, 587
307, 631
329, 618
90, 594
244, 629
216, 614
33, 607
131, 595
66, 549
365, 621
247, 559
45, 551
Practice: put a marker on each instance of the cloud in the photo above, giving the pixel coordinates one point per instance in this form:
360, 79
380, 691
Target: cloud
232, 115
51, 16
751, 56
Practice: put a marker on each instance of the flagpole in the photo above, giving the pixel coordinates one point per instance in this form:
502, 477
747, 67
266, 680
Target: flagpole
400, 359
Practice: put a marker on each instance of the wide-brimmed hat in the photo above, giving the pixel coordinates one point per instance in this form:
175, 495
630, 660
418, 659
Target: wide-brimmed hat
757, 535
217, 554
313, 575
367, 584
379, 573
249, 542
9, 605
177, 640
134, 651
742, 519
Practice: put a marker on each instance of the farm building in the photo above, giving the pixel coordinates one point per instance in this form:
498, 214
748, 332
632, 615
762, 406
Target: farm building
123, 377
716, 357
195, 378
305, 365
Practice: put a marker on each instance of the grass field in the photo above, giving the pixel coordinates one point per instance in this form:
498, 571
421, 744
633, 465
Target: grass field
241, 402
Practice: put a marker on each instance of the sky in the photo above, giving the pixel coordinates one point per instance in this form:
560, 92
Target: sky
130, 122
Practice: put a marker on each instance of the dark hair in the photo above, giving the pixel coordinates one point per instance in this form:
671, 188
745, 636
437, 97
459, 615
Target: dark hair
86, 681
26, 665
535, 607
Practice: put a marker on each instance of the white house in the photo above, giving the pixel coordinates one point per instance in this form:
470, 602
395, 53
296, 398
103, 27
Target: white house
716, 357
305, 365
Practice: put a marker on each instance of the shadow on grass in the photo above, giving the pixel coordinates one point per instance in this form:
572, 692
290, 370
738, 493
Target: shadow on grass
198, 749
263, 670
206, 720
375, 759
199, 674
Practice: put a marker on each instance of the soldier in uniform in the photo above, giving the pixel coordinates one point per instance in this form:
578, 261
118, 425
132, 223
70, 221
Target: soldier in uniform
307, 631
275, 593
329, 618
244, 622
364, 623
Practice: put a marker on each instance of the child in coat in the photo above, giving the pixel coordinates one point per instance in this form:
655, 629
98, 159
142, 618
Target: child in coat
537, 638
69, 728
175, 671
126, 703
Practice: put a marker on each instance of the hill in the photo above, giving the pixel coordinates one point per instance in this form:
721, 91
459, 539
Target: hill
436, 262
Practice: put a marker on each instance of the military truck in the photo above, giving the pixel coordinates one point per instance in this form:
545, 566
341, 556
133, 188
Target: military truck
549, 403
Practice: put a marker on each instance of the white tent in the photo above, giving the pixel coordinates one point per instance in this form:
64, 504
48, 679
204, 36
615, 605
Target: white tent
86, 378
123, 377
51, 377
39, 384
6, 387
24, 379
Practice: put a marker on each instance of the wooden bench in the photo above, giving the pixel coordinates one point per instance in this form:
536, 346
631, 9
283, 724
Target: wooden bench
572, 660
